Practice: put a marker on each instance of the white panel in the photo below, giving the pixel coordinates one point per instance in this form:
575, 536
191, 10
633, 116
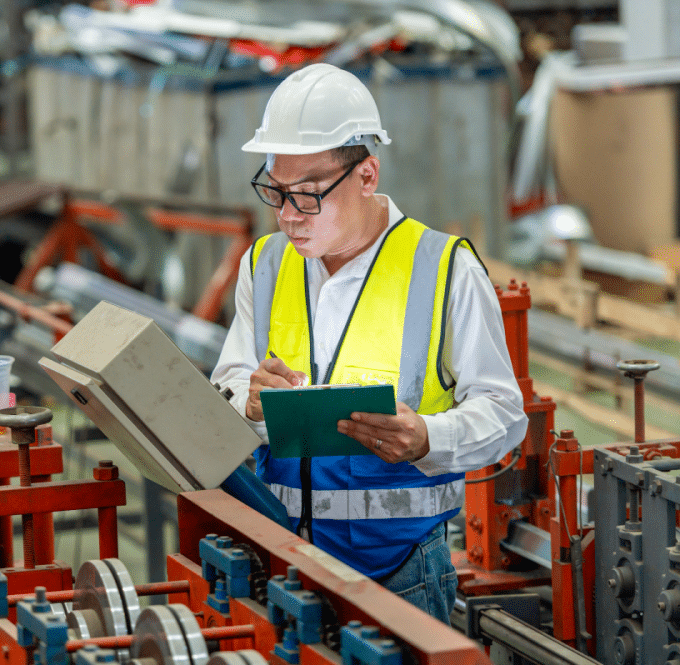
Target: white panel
176, 412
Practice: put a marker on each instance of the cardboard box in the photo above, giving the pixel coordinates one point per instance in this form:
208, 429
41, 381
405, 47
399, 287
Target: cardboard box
615, 154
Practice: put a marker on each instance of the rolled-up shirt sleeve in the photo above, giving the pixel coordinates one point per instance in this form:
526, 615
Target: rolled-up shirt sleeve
488, 420
238, 359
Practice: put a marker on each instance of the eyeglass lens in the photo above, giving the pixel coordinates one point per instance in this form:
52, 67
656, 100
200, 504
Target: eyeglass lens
275, 197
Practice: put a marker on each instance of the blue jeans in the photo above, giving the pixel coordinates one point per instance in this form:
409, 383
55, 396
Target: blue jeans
428, 579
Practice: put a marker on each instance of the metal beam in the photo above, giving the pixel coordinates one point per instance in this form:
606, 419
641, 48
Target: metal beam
530, 542
530, 643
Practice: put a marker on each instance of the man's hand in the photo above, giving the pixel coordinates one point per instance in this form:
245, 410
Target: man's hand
272, 373
400, 438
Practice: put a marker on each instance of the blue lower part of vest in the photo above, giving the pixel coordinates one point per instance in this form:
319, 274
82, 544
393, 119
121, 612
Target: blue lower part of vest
382, 557
374, 547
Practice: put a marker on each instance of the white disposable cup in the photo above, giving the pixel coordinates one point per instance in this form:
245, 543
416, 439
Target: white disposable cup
5, 369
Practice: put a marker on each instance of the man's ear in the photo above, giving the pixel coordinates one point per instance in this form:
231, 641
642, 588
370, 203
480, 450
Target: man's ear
369, 171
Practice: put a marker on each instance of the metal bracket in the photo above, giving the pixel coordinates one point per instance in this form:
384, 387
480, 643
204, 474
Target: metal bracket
363, 645
286, 596
4, 605
91, 654
227, 567
36, 621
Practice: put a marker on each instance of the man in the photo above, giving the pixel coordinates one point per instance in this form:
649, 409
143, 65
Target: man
352, 291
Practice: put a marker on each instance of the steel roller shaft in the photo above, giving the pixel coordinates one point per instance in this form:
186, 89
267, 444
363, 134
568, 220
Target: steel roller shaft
125, 641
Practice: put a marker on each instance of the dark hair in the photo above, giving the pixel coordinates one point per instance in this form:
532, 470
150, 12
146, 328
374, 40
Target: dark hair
350, 154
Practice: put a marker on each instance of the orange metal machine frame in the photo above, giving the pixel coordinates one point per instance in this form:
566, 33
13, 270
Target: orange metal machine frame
483, 569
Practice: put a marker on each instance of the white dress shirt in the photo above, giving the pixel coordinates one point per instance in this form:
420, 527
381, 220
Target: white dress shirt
488, 420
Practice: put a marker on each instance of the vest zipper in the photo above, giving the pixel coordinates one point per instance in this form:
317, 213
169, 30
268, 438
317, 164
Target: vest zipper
306, 462
306, 486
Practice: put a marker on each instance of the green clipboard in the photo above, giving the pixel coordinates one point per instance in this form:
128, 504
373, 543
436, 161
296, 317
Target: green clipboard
303, 422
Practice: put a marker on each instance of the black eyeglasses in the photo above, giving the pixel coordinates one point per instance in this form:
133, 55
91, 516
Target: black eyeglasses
308, 204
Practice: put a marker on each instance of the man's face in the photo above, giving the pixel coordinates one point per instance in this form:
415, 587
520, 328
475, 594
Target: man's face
336, 230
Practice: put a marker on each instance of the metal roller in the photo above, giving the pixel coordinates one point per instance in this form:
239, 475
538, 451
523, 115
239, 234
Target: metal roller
127, 592
245, 657
61, 609
98, 608
105, 603
170, 635
198, 649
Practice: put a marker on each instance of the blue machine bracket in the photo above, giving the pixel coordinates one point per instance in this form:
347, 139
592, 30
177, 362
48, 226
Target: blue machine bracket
91, 654
227, 567
363, 645
4, 605
286, 596
36, 622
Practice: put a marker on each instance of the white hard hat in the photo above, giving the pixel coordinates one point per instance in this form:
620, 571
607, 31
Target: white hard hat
317, 108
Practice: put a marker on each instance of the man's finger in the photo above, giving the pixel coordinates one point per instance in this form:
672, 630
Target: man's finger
277, 367
382, 420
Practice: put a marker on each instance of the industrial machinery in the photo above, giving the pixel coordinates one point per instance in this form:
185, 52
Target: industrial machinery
244, 589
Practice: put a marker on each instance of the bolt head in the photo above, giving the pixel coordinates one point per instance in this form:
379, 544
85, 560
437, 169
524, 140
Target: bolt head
105, 472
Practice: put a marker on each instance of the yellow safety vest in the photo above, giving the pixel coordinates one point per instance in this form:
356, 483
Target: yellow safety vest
395, 334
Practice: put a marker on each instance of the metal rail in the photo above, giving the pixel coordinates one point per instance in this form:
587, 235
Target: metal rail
527, 641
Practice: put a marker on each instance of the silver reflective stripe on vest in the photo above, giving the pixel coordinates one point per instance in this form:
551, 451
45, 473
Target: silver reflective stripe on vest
418, 319
264, 284
374, 504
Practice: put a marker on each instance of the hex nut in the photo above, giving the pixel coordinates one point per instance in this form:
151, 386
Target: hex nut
105, 473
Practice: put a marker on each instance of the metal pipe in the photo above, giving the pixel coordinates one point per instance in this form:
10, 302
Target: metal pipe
637, 370
125, 641
31, 313
529, 642
639, 409
108, 532
151, 589
6, 536
43, 530
26, 518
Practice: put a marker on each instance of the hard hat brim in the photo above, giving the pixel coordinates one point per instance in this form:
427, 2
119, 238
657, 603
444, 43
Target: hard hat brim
296, 149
